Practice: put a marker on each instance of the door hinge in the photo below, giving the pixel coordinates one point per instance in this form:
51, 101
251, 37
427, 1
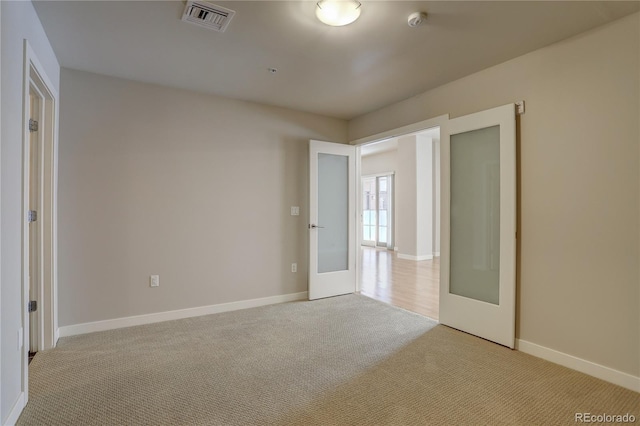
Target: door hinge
32, 216
33, 125
32, 306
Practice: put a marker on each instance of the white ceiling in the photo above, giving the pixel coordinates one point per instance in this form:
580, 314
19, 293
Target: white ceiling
335, 71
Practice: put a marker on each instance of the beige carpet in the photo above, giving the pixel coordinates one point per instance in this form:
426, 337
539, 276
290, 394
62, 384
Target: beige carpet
347, 360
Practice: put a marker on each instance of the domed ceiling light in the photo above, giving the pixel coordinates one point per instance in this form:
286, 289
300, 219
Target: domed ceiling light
338, 12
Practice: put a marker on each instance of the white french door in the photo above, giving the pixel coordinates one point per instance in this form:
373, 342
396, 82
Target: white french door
478, 241
377, 208
332, 224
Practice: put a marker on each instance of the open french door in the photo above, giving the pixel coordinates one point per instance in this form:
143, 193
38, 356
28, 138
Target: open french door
332, 225
478, 241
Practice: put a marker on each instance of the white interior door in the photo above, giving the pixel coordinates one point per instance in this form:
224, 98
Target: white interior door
34, 228
332, 224
478, 241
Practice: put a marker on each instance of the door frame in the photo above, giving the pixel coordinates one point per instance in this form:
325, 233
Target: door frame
35, 77
440, 121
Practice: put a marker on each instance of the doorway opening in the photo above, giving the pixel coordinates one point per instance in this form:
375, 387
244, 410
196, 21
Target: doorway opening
400, 221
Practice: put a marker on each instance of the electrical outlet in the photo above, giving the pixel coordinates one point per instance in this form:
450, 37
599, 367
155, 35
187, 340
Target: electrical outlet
294, 267
154, 281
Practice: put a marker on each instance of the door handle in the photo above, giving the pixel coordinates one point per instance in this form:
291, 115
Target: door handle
314, 226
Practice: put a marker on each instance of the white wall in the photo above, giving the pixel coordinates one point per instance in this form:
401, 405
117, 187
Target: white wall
382, 162
579, 185
19, 22
406, 196
414, 190
424, 196
192, 187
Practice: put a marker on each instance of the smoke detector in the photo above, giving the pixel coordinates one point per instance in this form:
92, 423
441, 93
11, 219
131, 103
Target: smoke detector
207, 15
416, 19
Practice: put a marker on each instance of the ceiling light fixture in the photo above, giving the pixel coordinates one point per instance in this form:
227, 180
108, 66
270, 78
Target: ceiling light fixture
338, 12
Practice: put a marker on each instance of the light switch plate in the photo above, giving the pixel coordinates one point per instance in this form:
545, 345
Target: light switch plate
154, 281
295, 211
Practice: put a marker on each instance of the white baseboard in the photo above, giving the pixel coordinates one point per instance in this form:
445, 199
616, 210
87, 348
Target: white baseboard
436, 254
591, 368
416, 258
395, 249
90, 327
15, 411
56, 337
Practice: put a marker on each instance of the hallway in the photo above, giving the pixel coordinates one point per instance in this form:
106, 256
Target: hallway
407, 284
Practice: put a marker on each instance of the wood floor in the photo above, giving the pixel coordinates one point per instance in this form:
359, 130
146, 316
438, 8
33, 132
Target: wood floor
407, 284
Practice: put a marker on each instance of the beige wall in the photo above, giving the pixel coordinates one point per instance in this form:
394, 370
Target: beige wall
19, 22
192, 187
578, 279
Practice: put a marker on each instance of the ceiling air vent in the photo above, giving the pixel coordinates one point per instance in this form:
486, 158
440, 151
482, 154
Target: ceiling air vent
207, 15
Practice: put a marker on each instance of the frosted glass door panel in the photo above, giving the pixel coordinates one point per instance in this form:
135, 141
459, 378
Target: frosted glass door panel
333, 212
475, 215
